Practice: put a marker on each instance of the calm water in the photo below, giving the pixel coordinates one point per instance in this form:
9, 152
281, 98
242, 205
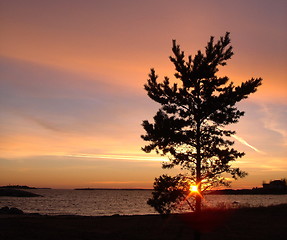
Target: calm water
124, 202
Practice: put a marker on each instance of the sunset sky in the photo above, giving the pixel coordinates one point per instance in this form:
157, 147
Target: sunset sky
72, 75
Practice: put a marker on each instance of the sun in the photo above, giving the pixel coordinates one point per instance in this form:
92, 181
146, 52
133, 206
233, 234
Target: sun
193, 188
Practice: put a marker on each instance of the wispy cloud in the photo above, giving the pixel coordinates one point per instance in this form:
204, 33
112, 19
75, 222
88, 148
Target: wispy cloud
118, 182
117, 157
274, 120
48, 125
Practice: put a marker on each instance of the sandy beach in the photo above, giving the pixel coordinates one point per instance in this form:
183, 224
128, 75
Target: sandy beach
246, 223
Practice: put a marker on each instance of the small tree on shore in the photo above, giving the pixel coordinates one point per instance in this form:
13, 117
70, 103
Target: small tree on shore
190, 127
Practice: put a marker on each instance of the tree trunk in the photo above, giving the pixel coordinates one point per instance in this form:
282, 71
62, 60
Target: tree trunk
198, 203
197, 234
198, 166
198, 179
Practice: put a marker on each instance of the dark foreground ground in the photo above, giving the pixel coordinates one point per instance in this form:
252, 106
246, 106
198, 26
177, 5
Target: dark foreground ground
248, 223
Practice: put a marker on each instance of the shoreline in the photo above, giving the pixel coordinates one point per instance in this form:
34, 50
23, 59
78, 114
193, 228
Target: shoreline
243, 223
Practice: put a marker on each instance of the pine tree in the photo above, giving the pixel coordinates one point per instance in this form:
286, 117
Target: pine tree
190, 127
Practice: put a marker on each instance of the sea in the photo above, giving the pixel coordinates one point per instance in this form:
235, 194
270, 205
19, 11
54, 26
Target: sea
119, 202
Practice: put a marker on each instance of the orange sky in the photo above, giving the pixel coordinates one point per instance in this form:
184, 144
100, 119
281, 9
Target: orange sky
72, 75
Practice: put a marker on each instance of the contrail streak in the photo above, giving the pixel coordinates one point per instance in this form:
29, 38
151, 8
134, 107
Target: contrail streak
240, 139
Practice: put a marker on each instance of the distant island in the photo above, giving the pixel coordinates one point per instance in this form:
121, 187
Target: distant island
10, 192
273, 187
126, 189
20, 187
17, 191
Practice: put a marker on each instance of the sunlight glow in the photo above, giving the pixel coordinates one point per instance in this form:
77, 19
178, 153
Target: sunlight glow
193, 188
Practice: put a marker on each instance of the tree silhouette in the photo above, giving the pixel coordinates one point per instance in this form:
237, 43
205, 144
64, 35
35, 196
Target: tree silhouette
190, 127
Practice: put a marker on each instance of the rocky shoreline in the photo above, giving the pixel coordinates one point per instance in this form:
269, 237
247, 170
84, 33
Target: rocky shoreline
217, 224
